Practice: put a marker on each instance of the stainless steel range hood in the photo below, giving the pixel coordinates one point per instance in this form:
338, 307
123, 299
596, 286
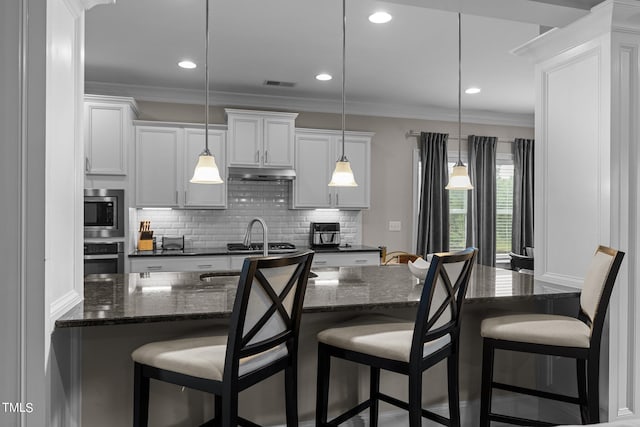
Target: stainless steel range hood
260, 174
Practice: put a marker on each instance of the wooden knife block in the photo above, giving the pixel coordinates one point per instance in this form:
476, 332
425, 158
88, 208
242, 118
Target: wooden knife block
145, 241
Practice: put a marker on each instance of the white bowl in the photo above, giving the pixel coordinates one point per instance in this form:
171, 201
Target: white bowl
419, 268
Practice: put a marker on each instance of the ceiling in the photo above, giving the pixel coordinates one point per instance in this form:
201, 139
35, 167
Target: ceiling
407, 67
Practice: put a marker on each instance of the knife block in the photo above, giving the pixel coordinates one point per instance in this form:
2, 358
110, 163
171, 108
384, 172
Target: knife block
145, 241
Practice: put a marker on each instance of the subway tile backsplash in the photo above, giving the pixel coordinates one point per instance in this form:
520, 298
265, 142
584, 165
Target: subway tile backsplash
247, 200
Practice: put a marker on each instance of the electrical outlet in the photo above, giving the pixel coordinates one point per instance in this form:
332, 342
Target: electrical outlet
395, 225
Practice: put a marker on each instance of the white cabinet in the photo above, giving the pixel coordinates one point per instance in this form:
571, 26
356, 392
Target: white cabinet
261, 138
316, 154
108, 134
166, 155
204, 195
179, 263
157, 166
345, 259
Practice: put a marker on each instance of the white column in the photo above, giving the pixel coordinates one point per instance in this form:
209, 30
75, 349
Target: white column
587, 94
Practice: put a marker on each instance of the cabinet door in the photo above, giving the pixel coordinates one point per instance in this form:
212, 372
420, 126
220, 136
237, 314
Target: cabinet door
278, 143
157, 167
314, 159
107, 132
245, 140
204, 195
358, 151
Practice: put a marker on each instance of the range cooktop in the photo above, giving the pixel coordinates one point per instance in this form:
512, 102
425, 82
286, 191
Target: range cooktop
277, 247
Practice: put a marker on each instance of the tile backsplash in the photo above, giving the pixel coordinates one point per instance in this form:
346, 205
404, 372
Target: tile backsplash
247, 200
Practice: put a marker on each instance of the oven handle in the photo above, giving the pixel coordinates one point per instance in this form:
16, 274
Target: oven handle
102, 256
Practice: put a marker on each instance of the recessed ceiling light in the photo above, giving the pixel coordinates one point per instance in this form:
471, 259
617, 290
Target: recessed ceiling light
472, 90
187, 64
323, 77
380, 17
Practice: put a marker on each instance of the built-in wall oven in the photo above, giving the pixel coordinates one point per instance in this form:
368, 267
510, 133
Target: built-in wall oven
103, 213
103, 257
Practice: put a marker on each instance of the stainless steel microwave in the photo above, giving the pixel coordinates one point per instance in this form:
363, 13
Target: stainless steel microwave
103, 213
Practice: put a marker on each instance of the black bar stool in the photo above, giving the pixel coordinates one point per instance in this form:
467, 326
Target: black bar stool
407, 348
262, 340
574, 337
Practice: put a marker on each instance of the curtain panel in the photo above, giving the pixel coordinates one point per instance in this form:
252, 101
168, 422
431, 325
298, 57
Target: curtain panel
523, 163
481, 201
433, 216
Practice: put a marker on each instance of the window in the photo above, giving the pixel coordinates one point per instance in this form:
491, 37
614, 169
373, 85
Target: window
458, 206
504, 207
457, 217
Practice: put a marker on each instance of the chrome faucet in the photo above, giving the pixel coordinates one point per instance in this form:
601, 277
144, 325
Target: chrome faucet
247, 235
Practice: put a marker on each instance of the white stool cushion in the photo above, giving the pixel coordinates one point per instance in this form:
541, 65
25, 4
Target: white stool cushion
201, 357
546, 329
378, 336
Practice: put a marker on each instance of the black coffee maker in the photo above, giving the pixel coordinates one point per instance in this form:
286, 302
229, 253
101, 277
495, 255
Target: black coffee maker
324, 235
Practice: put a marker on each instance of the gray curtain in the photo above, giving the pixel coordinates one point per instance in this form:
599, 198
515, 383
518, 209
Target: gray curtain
481, 201
433, 217
522, 231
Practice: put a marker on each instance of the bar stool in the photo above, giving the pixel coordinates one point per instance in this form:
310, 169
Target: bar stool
262, 340
577, 338
407, 348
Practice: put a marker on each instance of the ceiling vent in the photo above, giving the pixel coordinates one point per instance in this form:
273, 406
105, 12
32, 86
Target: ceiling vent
278, 83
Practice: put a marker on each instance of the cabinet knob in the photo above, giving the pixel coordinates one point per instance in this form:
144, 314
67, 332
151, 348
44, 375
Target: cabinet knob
257, 156
266, 157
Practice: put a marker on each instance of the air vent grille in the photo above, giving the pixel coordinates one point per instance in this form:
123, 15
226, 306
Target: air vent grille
278, 83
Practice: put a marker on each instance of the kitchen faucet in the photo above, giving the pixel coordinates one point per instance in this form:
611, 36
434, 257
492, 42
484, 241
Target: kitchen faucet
247, 235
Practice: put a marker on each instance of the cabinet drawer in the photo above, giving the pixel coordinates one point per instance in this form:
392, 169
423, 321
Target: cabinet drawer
342, 259
163, 263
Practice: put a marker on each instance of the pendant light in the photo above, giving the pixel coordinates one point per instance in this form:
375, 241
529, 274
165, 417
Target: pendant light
342, 174
206, 171
459, 177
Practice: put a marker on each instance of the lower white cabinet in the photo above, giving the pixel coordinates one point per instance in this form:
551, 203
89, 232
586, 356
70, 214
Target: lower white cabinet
166, 155
316, 153
234, 262
342, 259
179, 263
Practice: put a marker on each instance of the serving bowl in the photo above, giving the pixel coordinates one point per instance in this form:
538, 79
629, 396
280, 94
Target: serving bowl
419, 268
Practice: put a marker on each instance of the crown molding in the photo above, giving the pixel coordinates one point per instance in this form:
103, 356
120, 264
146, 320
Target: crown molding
317, 105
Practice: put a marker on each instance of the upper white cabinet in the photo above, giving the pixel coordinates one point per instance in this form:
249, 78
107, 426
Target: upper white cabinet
166, 156
316, 153
261, 138
108, 127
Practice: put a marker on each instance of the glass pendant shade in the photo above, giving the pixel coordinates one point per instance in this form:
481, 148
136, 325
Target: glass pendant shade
459, 179
343, 175
206, 171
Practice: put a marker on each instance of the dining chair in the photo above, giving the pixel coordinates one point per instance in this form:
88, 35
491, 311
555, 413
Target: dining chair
407, 348
262, 339
573, 337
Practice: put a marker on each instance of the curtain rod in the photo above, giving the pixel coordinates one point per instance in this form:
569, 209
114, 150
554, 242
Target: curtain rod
413, 133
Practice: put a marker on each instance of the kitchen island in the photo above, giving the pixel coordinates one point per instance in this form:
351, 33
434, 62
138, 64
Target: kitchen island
122, 312
112, 299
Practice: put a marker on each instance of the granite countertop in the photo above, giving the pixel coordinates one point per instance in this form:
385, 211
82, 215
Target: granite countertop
224, 251
112, 299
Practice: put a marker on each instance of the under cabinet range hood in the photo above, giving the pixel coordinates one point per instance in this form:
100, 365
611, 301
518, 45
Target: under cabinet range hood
260, 174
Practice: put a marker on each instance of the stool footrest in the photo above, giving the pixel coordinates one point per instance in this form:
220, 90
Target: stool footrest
519, 421
350, 413
404, 405
537, 393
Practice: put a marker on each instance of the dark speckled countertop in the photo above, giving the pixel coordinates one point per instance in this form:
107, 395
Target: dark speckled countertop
112, 299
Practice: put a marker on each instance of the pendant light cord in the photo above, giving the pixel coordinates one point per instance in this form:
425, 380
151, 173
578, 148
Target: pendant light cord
206, 79
344, 56
459, 88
